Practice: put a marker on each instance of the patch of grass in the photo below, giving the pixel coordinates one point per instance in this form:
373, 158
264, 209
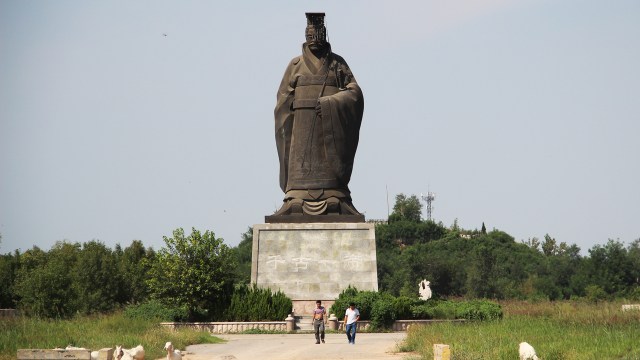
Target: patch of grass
94, 332
557, 330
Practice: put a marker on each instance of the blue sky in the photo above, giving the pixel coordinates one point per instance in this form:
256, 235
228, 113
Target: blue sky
523, 115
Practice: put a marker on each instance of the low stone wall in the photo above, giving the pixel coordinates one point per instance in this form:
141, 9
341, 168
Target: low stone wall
8, 313
398, 325
228, 327
237, 327
403, 325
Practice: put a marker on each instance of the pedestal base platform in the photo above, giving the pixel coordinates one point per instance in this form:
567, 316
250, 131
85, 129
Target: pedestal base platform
314, 261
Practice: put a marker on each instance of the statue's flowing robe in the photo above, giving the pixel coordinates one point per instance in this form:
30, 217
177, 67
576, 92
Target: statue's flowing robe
317, 151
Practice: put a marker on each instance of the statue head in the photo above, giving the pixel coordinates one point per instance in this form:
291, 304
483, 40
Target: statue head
316, 33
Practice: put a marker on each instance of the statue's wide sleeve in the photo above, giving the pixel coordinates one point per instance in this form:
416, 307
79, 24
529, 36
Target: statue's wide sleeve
342, 116
284, 121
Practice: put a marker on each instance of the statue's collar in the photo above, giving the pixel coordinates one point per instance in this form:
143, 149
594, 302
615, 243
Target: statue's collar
313, 63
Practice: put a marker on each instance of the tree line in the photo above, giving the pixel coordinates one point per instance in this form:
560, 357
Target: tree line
491, 264
199, 273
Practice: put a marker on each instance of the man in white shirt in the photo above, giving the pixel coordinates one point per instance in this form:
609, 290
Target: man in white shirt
351, 317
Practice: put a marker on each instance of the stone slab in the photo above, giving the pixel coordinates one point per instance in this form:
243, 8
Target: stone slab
105, 354
314, 261
42, 354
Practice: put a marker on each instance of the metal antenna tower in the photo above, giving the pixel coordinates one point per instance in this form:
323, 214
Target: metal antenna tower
429, 199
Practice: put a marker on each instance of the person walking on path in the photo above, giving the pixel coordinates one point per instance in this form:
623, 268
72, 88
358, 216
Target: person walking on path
319, 319
351, 317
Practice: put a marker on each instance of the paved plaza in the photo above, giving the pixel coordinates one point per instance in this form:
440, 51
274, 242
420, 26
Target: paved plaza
300, 347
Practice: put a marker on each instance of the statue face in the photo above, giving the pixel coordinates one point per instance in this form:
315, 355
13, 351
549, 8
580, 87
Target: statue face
314, 38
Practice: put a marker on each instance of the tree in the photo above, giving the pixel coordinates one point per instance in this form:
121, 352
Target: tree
611, 268
194, 271
9, 265
44, 281
243, 253
134, 264
634, 256
407, 208
481, 273
549, 246
533, 243
95, 278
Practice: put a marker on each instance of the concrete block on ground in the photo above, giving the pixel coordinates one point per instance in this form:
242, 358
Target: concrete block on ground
441, 352
105, 354
53, 354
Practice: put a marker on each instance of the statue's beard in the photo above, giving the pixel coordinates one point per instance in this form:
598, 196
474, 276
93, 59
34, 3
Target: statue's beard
317, 48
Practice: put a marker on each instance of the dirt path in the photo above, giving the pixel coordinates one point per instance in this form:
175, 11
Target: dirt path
300, 347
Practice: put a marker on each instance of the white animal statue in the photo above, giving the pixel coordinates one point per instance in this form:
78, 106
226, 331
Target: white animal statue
172, 354
424, 290
136, 353
527, 352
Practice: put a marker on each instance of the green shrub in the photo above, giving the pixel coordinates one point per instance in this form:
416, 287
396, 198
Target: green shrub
470, 310
256, 304
364, 301
634, 293
342, 302
153, 309
479, 310
383, 309
434, 309
595, 293
422, 312
383, 312
402, 306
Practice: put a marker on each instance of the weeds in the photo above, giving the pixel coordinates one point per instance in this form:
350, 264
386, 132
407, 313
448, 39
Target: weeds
557, 330
93, 332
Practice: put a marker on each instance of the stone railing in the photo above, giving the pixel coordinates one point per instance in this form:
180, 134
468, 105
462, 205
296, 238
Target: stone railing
228, 327
285, 326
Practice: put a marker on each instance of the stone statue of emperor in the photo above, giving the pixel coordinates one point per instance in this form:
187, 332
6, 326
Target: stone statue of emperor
317, 125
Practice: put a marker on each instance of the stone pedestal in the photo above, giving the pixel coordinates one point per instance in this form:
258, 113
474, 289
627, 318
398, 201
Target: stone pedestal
291, 323
314, 261
333, 322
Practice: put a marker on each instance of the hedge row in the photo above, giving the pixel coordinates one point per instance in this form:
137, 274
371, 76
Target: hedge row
257, 304
383, 309
247, 304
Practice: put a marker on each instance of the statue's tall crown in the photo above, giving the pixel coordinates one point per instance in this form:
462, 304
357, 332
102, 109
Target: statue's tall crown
315, 27
315, 19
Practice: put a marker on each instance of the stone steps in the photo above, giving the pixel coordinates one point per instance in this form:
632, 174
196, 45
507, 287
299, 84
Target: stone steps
304, 323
